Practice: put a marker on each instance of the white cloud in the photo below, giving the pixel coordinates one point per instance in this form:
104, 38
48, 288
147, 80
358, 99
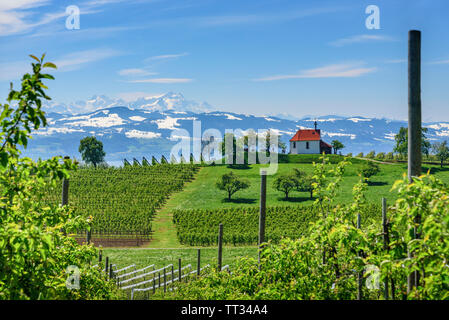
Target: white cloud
135, 72
76, 60
440, 62
359, 39
348, 70
167, 56
162, 80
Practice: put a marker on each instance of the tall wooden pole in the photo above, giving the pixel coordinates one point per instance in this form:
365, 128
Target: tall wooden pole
220, 246
65, 193
386, 239
198, 264
262, 210
414, 122
359, 274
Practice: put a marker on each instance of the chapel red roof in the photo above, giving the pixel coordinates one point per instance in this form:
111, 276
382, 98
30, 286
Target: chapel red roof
307, 135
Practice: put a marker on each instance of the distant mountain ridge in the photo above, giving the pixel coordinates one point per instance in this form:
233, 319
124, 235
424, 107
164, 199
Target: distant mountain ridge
165, 102
145, 127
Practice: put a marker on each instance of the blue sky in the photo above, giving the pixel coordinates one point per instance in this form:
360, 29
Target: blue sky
259, 56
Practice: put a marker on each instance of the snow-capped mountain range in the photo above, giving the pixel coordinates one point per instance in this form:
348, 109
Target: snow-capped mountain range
165, 102
144, 127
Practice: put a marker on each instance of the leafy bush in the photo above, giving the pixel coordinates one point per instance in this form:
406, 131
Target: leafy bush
35, 251
369, 169
327, 260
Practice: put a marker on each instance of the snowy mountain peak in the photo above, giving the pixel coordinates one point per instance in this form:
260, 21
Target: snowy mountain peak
169, 101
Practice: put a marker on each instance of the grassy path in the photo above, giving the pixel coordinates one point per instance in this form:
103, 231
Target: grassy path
164, 229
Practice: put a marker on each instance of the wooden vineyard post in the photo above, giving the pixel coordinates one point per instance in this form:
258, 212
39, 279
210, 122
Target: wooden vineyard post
386, 239
111, 272
198, 266
159, 280
359, 274
220, 246
172, 274
100, 256
262, 210
154, 283
88, 234
107, 265
179, 269
165, 282
65, 193
414, 126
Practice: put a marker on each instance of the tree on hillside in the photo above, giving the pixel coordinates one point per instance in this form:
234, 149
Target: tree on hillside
360, 155
304, 182
231, 183
401, 139
337, 145
441, 151
277, 138
371, 154
285, 184
369, 169
380, 155
91, 150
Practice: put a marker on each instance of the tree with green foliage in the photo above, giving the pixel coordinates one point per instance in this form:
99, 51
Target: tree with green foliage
285, 184
360, 155
389, 156
369, 169
91, 150
349, 155
401, 139
304, 182
441, 151
337, 145
35, 252
371, 154
380, 155
231, 183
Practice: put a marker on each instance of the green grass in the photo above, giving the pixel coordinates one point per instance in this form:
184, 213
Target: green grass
163, 257
202, 193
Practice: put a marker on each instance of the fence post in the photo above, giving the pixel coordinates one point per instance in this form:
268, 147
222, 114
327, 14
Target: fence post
159, 280
165, 282
172, 274
414, 126
198, 268
262, 210
179, 265
386, 239
88, 234
65, 193
154, 283
100, 256
359, 274
107, 265
220, 246
111, 274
